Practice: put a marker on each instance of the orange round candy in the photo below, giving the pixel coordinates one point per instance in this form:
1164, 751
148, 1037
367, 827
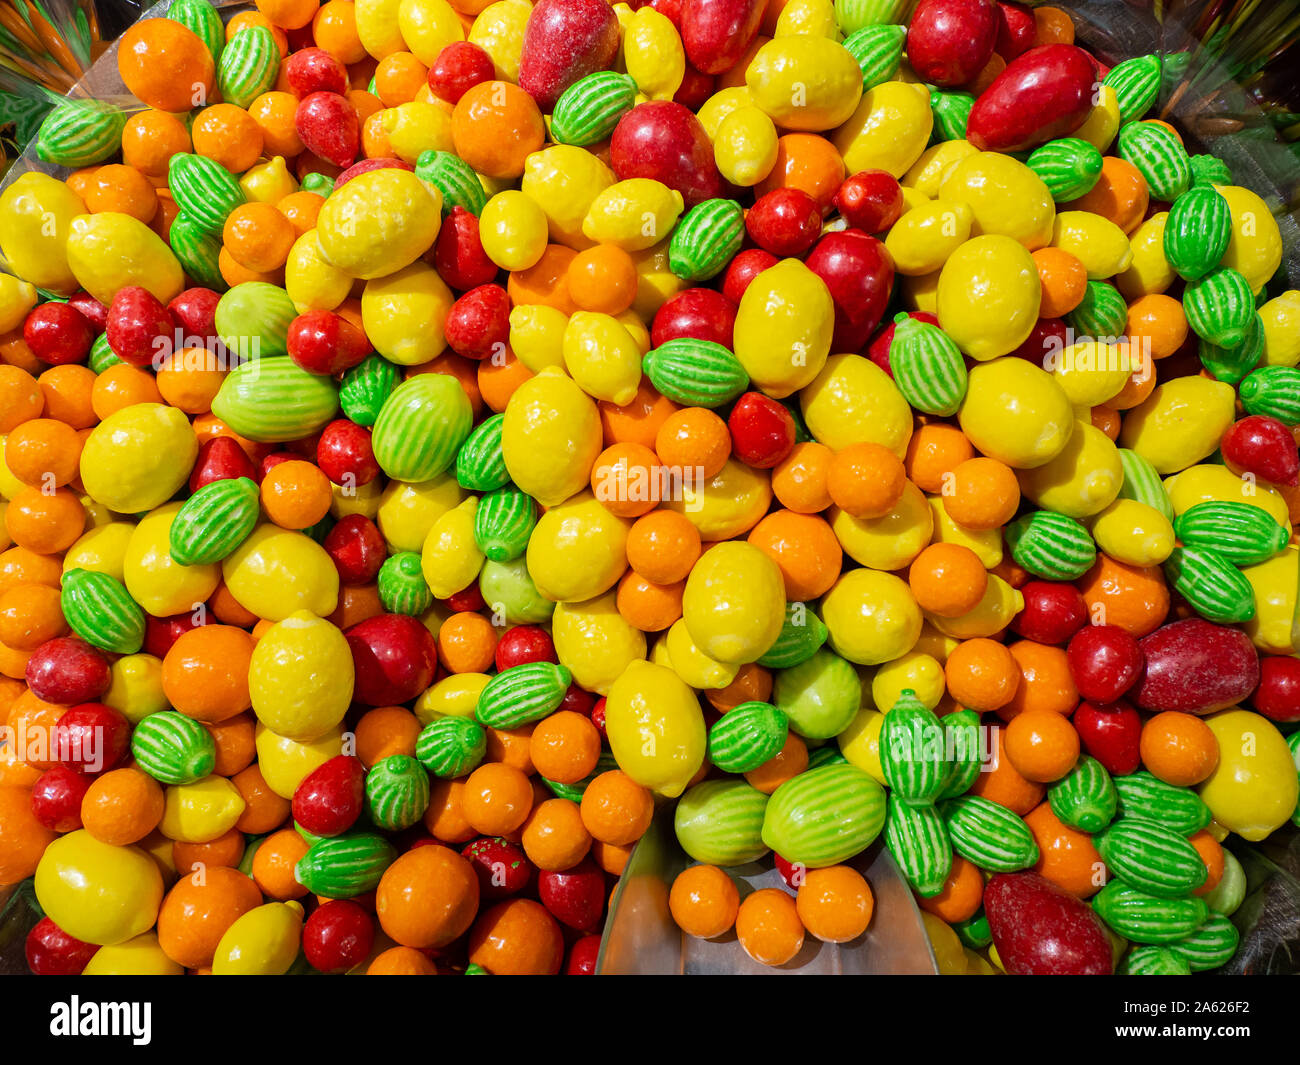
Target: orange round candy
982, 493
694, 438
517, 937
627, 479
663, 546
205, 672
603, 279
123, 189
947, 579
427, 898
866, 480
122, 806
554, 837
1002, 783
495, 126
296, 494
150, 139
616, 809
805, 550
258, 236
704, 901
768, 927
799, 480
981, 674
497, 799
565, 746
197, 911
1178, 748
835, 903
165, 65
934, 451
1066, 856
962, 892
1042, 745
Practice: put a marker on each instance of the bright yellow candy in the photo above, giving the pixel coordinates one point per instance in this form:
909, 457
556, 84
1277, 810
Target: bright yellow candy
1134, 533
923, 238
988, 296
635, 214
1180, 423
922, 293
1082, 480
990, 615
783, 327
135, 689
262, 942
407, 511
138, 457
537, 335
1215, 483
499, 31
161, 585
949, 955
360, 499
578, 550
805, 83
109, 251
101, 549
96, 892
1275, 582
653, 54
595, 642
1096, 242
1089, 372
378, 223
745, 147
680, 653
202, 811
377, 27
36, 214
16, 299
276, 572
928, 173
655, 728
1102, 123
602, 357
456, 695
986, 543
513, 231
655, 281
1016, 413
636, 329
268, 182
311, 282
403, 314
427, 27
889, 542
1006, 197
449, 558
1254, 788
141, 956
285, 762
734, 602
938, 645
1255, 249
813, 18
888, 130
726, 505
10, 485
564, 181
872, 617
920, 672
860, 742
550, 437
854, 401
1281, 318
722, 103
415, 127
300, 677
1149, 271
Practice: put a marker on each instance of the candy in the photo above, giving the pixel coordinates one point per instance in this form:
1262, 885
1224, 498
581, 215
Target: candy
1151, 857
655, 728
918, 840
719, 822
824, 816
275, 401
80, 133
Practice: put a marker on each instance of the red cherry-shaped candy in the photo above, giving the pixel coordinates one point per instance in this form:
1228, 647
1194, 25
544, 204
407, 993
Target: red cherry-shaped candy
220, 458
394, 657
327, 126
58, 334
459, 67
1105, 661
582, 957
949, 41
195, 311
575, 897
1017, 30
785, 222
502, 868
331, 797
743, 269
698, 313
139, 327
345, 455
478, 324
1053, 612
56, 798
91, 738
92, 310
357, 548
325, 343
870, 200
1261, 446
762, 431
458, 253
67, 670
1111, 733
52, 952
1277, 696
521, 644
314, 70
337, 936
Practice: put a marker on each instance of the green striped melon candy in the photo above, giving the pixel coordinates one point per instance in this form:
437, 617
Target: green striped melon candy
1068, 166
1243, 534
1145, 797
824, 816
503, 522
827, 754
451, 746
248, 67
1212, 585
878, 50
1211, 945
202, 20
1273, 391
454, 178
343, 866
989, 835
961, 732
1101, 313
366, 386
1234, 363
1145, 918
1159, 158
589, 109
1052, 546
173, 748
100, 610
1085, 798
80, 133
1197, 232
102, 356
397, 792
720, 822
521, 694
1143, 484
918, 840
1155, 961
253, 320
214, 521
402, 587
746, 736
421, 427
480, 462
802, 635
911, 747
1220, 307
706, 239
197, 250
974, 932
1210, 170
928, 367
1152, 857
951, 112
853, 15
274, 400
695, 373
203, 189
1136, 83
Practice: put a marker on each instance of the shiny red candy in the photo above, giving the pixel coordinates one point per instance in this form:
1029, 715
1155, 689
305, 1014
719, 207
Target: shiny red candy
331, 797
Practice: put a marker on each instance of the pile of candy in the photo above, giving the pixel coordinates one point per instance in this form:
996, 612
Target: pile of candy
489, 423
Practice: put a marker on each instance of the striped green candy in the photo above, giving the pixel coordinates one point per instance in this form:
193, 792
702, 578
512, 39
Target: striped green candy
853, 15
1212, 585
919, 843
100, 610
1145, 797
274, 400
1154, 858
80, 133
1231, 364
1159, 158
503, 522
1136, 83
1210, 170
1143, 484
1273, 391
1220, 307
248, 67
961, 731
1085, 798
1145, 918
521, 694
1155, 961
480, 462
989, 835
878, 50
1101, 313
827, 754
173, 748
397, 792
197, 250
589, 109
1243, 534
1068, 166
454, 178
402, 587
341, 867
214, 521
253, 320
366, 386
1211, 945
695, 373
1197, 232
421, 427
706, 239
204, 189
202, 20
928, 367
802, 635
912, 751
746, 736
1052, 546
720, 822
102, 356
951, 112
451, 746
824, 816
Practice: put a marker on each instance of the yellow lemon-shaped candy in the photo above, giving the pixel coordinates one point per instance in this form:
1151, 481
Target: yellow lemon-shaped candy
513, 230
101, 549
921, 241
1149, 271
407, 511
449, 558
1273, 628
714, 111
537, 335
813, 18
680, 653
1180, 423
268, 182
734, 602
109, 251
377, 27
564, 181
141, 956
1102, 123
138, 457
1096, 242
311, 282
920, 672
135, 687
96, 892
986, 543
1255, 248
990, 615
578, 550
1016, 413
276, 572
783, 328
1215, 483
202, 811
427, 27
602, 357
854, 401
1253, 789
285, 762
860, 742
16, 299
655, 728
988, 296
363, 499
745, 147
550, 438
416, 127
300, 677
1281, 319
155, 580
891, 541
1134, 533
455, 695
726, 505
499, 31
653, 54
36, 214
1084, 479
927, 174
888, 130
921, 293
594, 641
1005, 196
805, 83
1090, 372
655, 281
635, 214
872, 617
378, 223
403, 313
262, 942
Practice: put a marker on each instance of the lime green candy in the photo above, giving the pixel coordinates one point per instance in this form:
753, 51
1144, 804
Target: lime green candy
366, 386
1145, 797
1145, 918
1197, 232
1052, 546
706, 239
80, 133
101, 355
1243, 534
401, 584
824, 816
1211, 945
100, 610
503, 523
451, 746
1101, 313
397, 792
1069, 167
173, 749
274, 400
1212, 585
928, 367
1143, 484
988, 834
720, 822
214, 521
951, 111
481, 462
695, 373
1152, 960
1220, 307
521, 694
746, 736
202, 20
589, 109
1273, 391
421, 427
204, 189
1232, 364
454, 178
965, 762
918, 840
1151, 857
248, 66
1085, 798
878, 50
1210, 170
253, 320
1136, 83
852, 15
802, 634
341, 867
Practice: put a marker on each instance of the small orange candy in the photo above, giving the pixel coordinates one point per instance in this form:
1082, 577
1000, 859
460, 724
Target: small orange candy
45, 524
603, 279
1064, 281
565, 747
835, 903
662, 546
427, 898
694, 438
704, 901
122, 189
43, 452
962, 892
228, 135
258, 236
30, 614
386, 731
616, 809
1066, 856
20, 397
296, 494
768, 927
947, 579
981, 674
150, 139
121, 386
866, 480
205, 673
934, 451
1042, 745
982, 493
122, 806
554, 837
1045, 681
788, 762
198, 910
799, 480
466, 643
1002, 782
627, 479
497, 799
646, 605
1178, 748
274, 113
495, 126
